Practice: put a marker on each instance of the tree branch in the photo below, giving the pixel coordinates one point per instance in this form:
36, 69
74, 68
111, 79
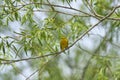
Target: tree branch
65, 7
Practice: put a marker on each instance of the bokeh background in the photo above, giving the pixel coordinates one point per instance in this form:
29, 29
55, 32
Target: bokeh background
30, 33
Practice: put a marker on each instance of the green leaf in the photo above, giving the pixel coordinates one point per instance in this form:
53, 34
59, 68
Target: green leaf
15, 50
40, 43
18, 0
25, 49
3, 48
8, 45
7, 2
24, 18
11, 18
16, 15
7, 21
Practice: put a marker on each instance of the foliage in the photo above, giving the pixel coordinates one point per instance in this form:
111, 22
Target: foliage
30, 34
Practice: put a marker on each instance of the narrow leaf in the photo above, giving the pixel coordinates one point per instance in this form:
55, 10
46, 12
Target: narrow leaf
3, 48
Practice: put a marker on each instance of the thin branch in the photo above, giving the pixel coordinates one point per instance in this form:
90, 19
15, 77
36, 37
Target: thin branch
97, 16
91, 8
7, 61
17, 70
68, 3
51, 5
65, 7
87, 6
41, 68
94, 26
71, 14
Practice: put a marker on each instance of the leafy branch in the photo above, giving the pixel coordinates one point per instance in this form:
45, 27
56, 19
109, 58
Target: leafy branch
86, 32
97, 16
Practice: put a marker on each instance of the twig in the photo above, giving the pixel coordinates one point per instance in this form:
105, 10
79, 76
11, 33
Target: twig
90, 6
18, 71
7, 61
51, 5
87, 14
71, 14
87, 6
68, 3
41, 68
94, 25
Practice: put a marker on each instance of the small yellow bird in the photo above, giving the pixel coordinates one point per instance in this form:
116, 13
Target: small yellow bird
63, 43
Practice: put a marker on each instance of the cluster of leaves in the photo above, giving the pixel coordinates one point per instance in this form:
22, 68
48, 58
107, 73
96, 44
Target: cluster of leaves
40, 37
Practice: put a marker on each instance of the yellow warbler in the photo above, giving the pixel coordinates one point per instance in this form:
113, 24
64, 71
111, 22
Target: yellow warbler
63, 43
